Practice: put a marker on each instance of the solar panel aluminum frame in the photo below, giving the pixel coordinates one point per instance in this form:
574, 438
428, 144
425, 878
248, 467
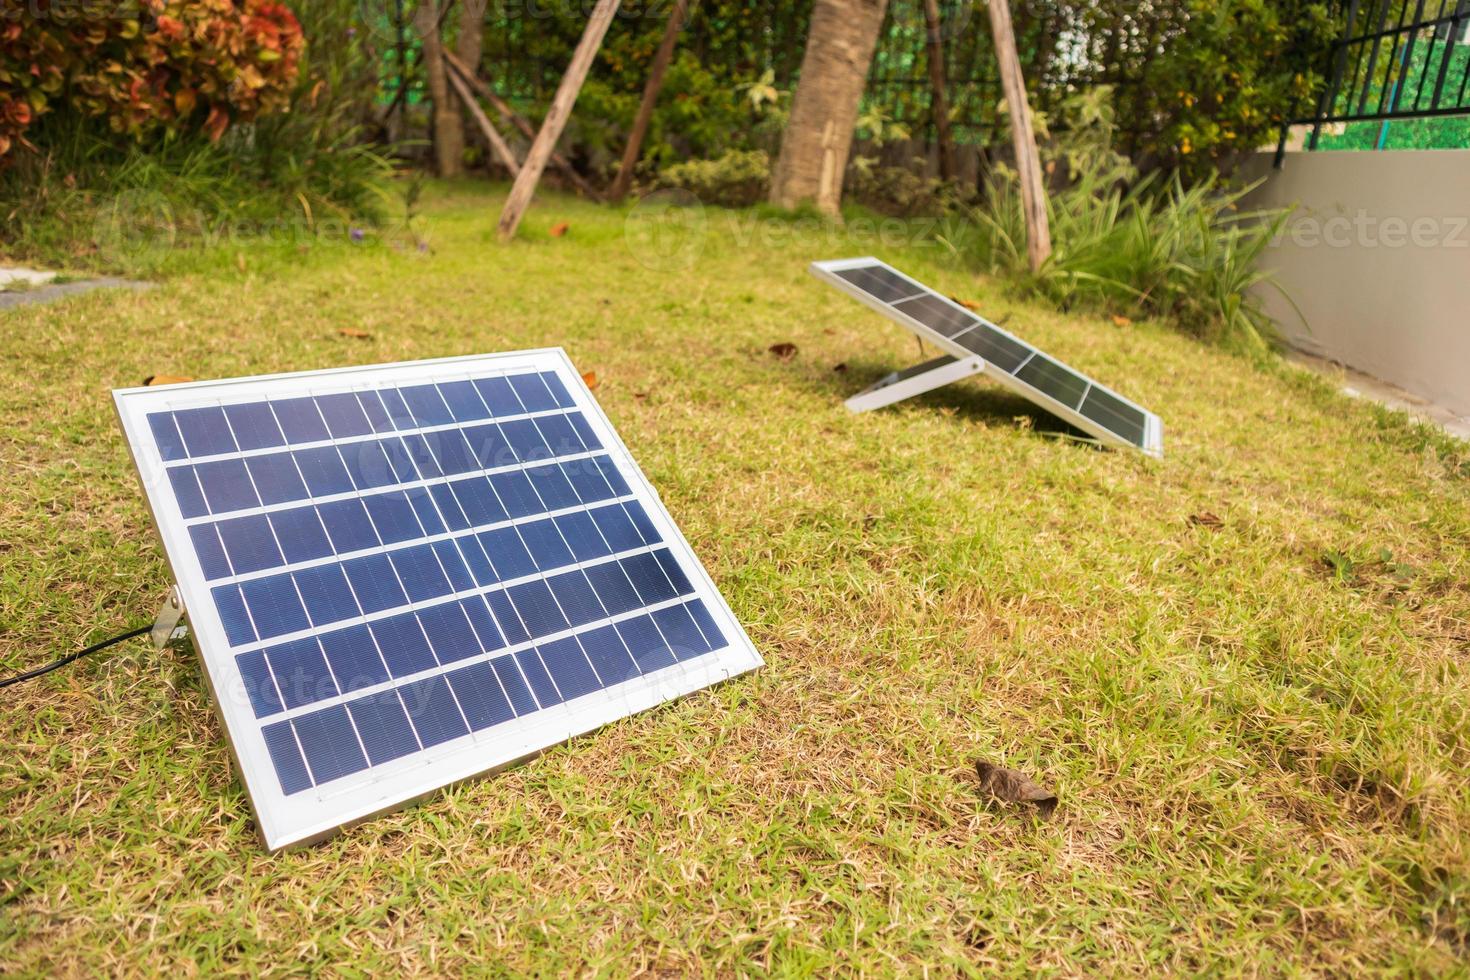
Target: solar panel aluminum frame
298, 820
1153, 441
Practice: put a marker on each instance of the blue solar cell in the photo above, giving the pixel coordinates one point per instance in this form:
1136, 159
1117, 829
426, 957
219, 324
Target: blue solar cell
424, 508
489, 446
206, 432
586, 478
604, 647
565, 662
577, 600
536, 675
506, 618
393, 517
454, 567
383, 725
422, 456
250, 544
544, 542
558, 434
274, 606
344, 415
427, 405
451, 452
713, 638
611, 475
479, 616
480, 696
641, 520
450, 634
300, 534
401, 640
648, 578
580, 532
376, 412
616, 528
554, 489
558, 390
464, 401
276, 479
397, 409
327, 595
331, 745
433, 711
534, 394
514, 683
280, 741
207, 548
260, 686
537, 607
254, 426
420, 573
682, 633
354, 658
525, 440
478, 563
166, 436
613, 588
374, 583
226, 485
369, 465
232, 614
322, 467
300, 420
584, 431
302, 675
507, 553
477, 501
515, 493
645, 643
677, 579
186, 491
348, 525
499, 397
444, 502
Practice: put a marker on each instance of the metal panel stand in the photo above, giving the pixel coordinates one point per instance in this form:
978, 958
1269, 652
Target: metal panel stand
915, 381
167, 626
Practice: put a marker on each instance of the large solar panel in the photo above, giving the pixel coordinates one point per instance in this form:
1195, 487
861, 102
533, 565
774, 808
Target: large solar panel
1008, 360
400, 576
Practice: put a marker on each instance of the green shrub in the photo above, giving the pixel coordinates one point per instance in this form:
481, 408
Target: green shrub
901, 191
738, 179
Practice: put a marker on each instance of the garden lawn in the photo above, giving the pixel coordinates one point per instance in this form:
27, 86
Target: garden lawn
1257, 725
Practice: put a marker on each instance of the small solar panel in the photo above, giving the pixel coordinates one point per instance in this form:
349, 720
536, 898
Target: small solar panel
400, 576
1065, 392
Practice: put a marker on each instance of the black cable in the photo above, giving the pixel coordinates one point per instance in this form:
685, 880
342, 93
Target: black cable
72, 657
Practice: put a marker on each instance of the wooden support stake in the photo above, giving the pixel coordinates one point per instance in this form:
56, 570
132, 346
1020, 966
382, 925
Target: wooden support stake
1028, 160
510, 117
556, 119
491, 134
939, 99
661, 60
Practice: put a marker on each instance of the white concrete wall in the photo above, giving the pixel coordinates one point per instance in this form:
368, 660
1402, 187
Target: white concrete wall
1377, 257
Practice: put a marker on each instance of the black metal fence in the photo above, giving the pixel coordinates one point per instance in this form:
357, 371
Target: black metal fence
1397, 59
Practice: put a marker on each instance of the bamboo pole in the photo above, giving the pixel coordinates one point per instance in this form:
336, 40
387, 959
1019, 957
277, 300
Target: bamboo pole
655, 83
491, 134
556, 119
1028, 160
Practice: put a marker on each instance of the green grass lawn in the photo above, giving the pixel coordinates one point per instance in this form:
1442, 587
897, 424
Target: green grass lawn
1258, 730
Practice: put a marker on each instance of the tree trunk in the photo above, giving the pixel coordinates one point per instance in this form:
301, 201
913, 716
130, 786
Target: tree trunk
661, 60
1028, 160
940, 101
834, 72
448, 125
556, 118
470, 45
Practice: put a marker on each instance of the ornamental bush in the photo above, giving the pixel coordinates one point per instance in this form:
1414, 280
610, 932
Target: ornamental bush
144, 66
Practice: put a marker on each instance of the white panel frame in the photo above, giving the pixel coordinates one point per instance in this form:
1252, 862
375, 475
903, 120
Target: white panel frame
310, 815
1153, 437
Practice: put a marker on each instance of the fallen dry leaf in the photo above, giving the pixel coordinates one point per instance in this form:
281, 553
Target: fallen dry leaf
165, 379
1010, 786
784, 351
560, 228
1122, 321
1206, 519
355, 333
966, 303
589, 378
840, 368
240, 261
640, 395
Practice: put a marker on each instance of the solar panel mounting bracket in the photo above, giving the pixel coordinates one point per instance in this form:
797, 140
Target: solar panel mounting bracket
902, 385
168, 625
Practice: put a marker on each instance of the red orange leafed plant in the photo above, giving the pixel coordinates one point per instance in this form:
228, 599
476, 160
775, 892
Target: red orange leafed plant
144, 65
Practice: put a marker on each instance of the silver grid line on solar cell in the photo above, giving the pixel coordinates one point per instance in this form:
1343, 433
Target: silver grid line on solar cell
526, 583
972, 340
